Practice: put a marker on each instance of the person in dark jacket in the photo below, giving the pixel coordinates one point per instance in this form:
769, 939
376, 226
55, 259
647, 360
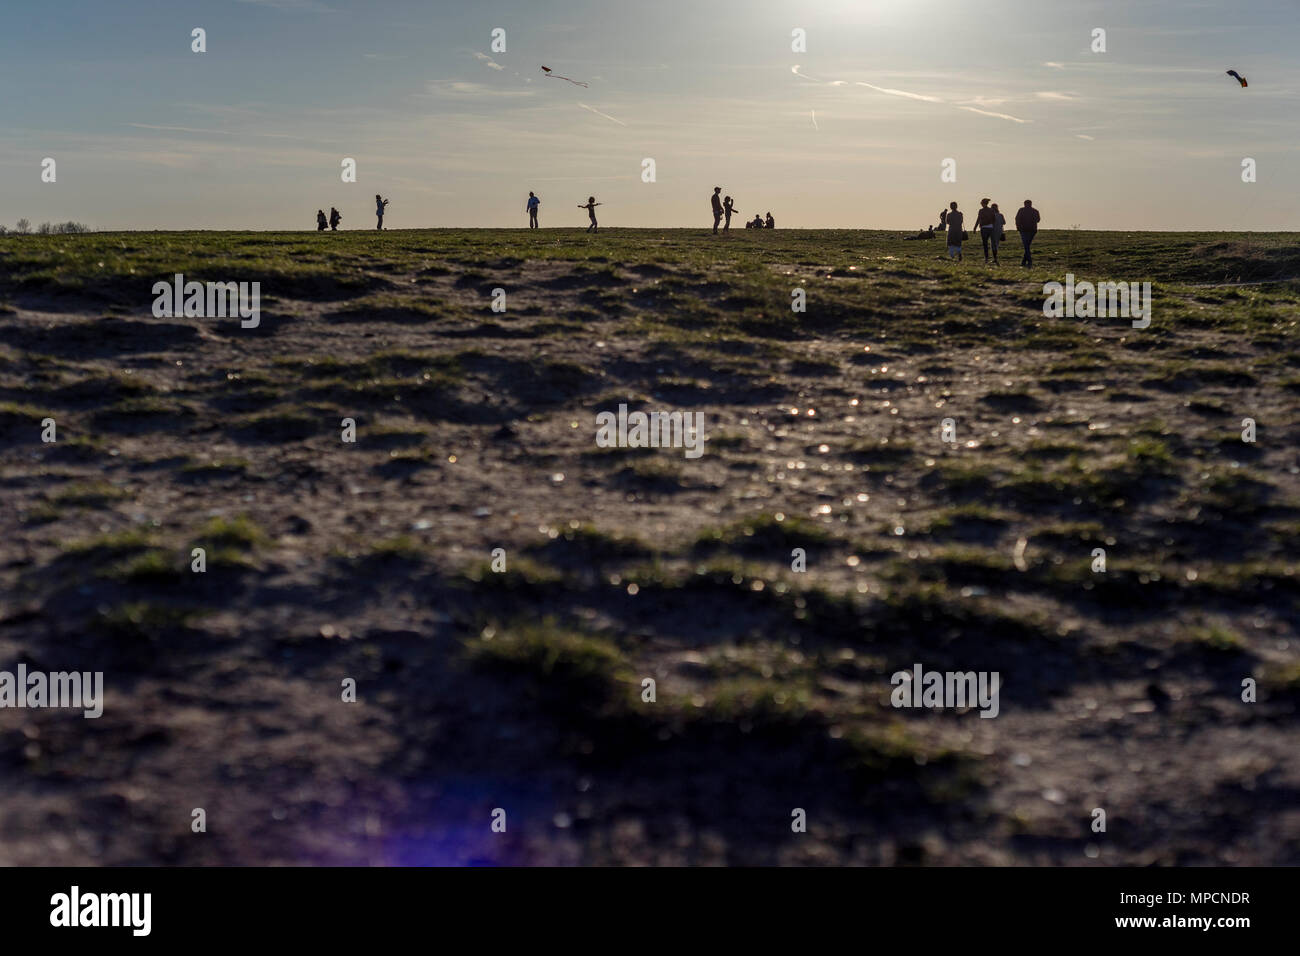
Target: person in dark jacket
320, 220
986, 223
955, 220
1027, 225
335, 219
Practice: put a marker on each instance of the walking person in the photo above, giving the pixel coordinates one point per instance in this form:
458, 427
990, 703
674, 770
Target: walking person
955, 232
717, 208
533, 203
999, 230
1027, 225
986, 223
379, 210
320, 220
335, 219
728, 207
591, 211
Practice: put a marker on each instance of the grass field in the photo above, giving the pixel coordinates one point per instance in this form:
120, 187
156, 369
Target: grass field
522, 690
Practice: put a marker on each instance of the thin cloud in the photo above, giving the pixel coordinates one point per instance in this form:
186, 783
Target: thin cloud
1054, 65
488, 61
599, 113
814, 119
1083, 136
910, 96
1054, 95
1005, 116
181, 129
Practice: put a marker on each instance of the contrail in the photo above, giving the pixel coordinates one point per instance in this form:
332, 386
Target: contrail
1005, 116
599, 113
814, 116
912, 96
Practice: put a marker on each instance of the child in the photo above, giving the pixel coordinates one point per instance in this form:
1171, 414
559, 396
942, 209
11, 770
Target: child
320, 220
379, 210
727, 209
335, 219
591, 211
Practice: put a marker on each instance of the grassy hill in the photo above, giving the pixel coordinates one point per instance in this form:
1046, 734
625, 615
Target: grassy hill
523, 689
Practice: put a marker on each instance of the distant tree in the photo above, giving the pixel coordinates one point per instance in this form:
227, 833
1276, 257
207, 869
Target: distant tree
70, 227
3, 229
44, 229
23, 226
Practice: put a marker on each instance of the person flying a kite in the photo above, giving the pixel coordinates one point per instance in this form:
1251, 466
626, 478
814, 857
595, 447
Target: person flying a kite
1240, 79
556, 76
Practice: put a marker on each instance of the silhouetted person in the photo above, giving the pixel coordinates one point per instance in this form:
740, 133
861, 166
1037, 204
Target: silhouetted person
533, 203
728, 207
1027, 225
986, 223
999, 229
955, 220
943, 219
758, 221
379, 210
591, 211
335, 219
320, 220
771, 223
717, 207
930, 234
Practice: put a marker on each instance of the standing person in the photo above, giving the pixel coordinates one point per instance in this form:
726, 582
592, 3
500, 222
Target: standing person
728, 207
533, 203
717, 208
999, 230
379, 210
335, 219
771, 223
320, 220
943, 219
986, 223
591, 211
1027, 225
955, 235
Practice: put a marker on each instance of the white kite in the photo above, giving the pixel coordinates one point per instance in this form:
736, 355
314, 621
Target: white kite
556, 76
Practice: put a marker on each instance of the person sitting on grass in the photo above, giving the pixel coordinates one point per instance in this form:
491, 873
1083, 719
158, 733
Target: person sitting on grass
771, 223
590, 206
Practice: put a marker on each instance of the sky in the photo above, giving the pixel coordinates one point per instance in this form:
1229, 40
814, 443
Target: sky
850, 132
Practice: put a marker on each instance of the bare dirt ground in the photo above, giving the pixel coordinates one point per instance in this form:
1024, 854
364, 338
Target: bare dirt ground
523, 690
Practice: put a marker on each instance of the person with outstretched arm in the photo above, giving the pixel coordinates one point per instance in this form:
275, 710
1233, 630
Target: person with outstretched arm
728, 207
533, 203
1027, 225
379, 210
590, 206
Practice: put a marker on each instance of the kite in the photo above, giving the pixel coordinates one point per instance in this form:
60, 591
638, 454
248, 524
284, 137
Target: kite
556, 76
1240, 79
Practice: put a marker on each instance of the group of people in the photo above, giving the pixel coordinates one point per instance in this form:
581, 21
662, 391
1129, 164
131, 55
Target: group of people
335, 217
991, 225
333, 222
724, 206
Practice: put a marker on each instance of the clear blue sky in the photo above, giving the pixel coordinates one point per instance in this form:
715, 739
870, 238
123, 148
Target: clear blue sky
1148, 135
